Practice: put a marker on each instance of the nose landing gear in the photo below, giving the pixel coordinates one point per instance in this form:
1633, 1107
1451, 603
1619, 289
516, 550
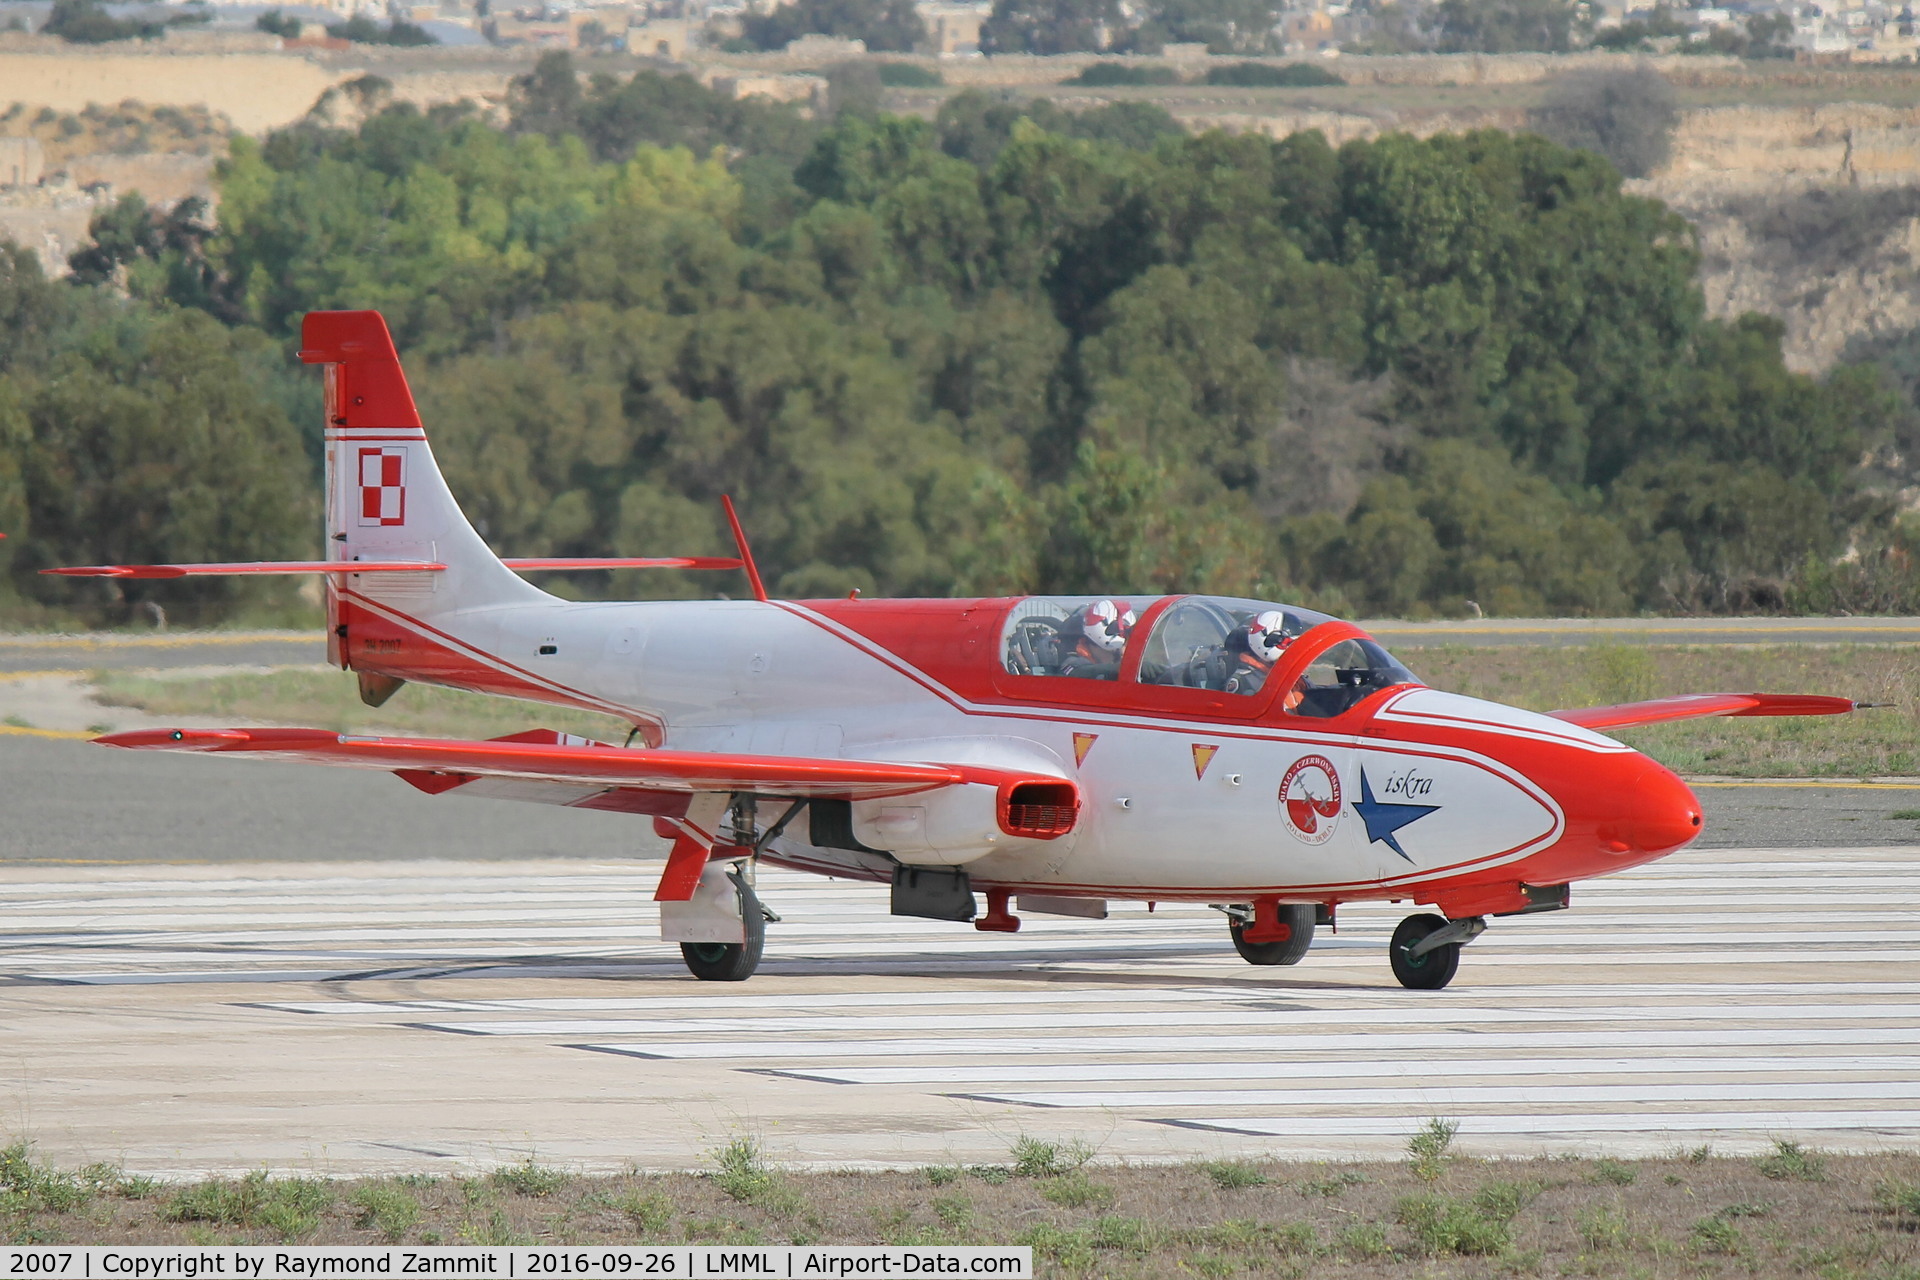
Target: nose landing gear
1425, 951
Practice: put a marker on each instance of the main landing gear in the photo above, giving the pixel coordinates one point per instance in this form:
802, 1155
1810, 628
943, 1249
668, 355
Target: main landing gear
1271, 932
731, 961
1425, 951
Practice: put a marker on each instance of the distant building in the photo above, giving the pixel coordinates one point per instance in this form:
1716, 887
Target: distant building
807, 90
22, 162
818, 46
953, 30
661, 38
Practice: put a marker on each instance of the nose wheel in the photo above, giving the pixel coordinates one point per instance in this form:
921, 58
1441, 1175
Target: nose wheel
1425, 951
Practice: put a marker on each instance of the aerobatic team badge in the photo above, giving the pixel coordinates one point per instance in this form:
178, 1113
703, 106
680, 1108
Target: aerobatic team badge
1310, 799
383, 485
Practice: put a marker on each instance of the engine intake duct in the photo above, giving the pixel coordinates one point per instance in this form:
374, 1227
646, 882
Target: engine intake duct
1039, 810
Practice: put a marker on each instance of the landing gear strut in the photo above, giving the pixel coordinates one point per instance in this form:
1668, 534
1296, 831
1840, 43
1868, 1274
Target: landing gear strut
1425, 951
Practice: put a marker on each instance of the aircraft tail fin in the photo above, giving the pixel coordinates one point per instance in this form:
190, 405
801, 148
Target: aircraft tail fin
386, 499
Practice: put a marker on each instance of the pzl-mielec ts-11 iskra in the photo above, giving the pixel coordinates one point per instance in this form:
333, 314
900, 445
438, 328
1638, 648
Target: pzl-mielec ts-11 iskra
1047, 754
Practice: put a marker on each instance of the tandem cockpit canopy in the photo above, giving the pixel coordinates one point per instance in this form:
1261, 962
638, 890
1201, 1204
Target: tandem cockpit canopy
1215, 643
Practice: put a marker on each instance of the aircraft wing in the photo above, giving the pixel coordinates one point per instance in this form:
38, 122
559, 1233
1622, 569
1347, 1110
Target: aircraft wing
1692, 706
558, 763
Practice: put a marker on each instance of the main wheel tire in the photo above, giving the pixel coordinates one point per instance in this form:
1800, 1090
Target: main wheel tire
1296, 917
730, 961
1428, 972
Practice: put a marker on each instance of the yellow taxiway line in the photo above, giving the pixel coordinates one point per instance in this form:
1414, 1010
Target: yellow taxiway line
27, 731
178, 640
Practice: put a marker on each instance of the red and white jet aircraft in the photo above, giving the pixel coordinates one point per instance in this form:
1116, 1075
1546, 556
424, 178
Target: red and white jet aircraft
1050, 753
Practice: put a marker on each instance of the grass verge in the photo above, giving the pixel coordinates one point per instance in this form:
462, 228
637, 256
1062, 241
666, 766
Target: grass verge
1792, 1211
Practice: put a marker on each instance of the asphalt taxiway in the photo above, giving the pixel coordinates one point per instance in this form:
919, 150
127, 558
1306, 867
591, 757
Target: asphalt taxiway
346, 1017
212, 965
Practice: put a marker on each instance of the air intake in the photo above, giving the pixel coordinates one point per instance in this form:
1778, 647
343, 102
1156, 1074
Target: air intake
1039, 810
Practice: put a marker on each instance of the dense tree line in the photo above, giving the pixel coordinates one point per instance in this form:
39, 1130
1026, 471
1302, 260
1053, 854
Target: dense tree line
1009, 349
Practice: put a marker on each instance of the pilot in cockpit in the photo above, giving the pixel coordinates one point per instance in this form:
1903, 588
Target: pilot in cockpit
1253, 650
1091, 640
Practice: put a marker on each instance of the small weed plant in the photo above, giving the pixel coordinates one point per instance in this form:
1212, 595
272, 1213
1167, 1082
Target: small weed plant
1077, 1191
745, 1175
1364, 1240
27, 1186
954, 1212
650, 1212
1604, 1228
1611, 1173
1791, 1162
742, 1172
1330, 1187
496, 1230
390, 1210
1898, 1197
1714, 1235
288, 1207
1033, 1158
529, 1179
1482, 1225
1234, 1175
1428, 1149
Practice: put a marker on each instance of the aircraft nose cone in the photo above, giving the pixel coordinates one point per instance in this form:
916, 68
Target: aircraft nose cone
1656, 813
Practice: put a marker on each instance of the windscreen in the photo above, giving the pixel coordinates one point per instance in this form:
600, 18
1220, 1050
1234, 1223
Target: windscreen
1230, 645
1343, 676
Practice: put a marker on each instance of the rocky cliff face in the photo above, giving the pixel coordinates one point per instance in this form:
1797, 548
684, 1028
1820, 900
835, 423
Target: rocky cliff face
1839, 266
1811, 214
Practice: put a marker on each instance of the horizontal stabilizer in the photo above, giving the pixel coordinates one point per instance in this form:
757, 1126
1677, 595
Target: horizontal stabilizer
1692, 706
627, 562
244, 567
569, 761
382, 566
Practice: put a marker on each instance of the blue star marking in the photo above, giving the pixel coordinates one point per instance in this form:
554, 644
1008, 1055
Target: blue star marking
1384, 820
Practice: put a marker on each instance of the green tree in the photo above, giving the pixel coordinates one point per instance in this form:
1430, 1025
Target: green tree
887, 26
1507, 26
1224, 26
1051, 26
1626, 116
146, 440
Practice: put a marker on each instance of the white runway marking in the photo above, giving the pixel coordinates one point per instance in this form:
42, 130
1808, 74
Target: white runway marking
1367, 1042
1780, 1123
950, 1077
1076, 995
1741, 995
1442, 1098
1280, 1019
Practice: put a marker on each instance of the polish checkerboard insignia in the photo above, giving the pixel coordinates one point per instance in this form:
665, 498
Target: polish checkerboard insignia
383, 485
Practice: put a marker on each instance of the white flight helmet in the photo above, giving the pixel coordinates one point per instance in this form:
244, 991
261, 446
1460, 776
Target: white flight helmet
1107, 625
1267, 635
